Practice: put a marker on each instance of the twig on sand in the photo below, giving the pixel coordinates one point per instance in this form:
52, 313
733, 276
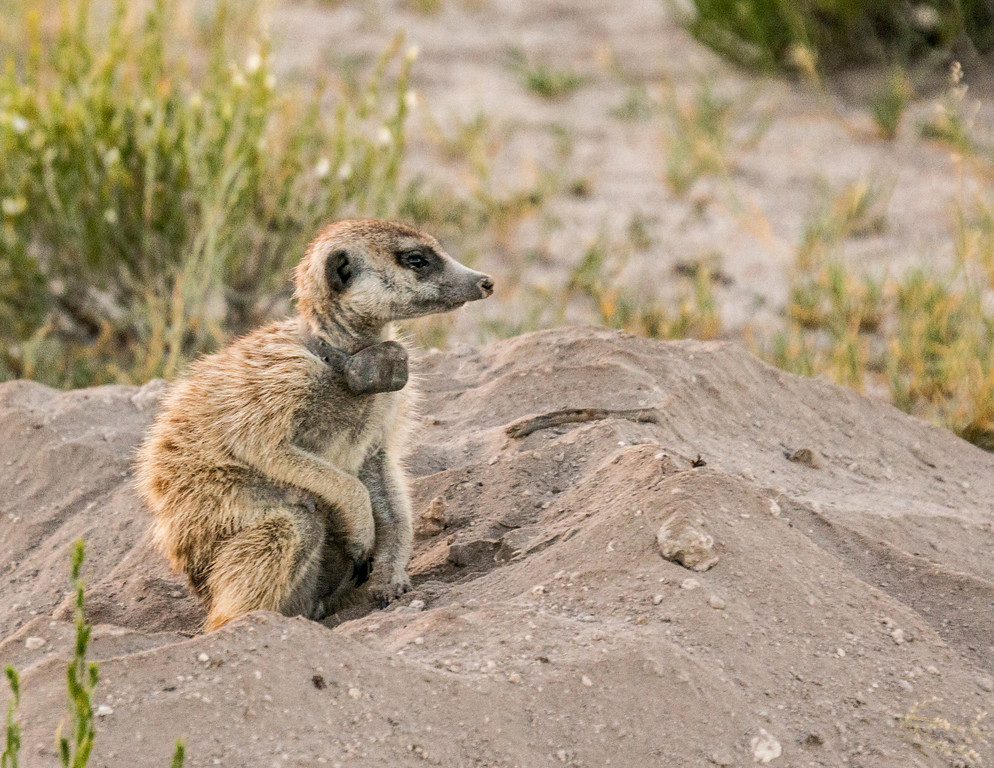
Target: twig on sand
524, 427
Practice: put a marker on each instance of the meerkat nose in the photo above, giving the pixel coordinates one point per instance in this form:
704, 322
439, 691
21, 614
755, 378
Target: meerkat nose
486, 285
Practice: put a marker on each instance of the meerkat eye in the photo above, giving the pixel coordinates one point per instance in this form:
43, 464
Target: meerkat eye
415, 260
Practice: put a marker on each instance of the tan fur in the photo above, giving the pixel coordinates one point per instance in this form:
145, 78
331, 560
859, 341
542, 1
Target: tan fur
265, 476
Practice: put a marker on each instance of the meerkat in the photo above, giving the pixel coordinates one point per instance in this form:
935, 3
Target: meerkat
276, 463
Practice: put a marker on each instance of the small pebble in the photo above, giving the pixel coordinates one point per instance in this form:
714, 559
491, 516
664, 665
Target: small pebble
657, 599
417, 605
103, 710
716, 602
419, 641
932, 670
586, 681
34, 643
765, 748
514, 678
690, 584
897, 635
986, 683
354, 693
538, 589
840, 652
203, 657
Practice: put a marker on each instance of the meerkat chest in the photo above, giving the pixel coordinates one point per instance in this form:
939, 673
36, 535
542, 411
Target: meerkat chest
344, 429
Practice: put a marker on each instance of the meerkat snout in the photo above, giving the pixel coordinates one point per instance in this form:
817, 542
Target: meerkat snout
486, 284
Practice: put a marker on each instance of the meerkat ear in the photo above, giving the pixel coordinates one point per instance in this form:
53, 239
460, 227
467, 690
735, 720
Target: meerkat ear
338, 271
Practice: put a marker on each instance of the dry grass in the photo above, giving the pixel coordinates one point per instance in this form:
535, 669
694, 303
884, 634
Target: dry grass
152, 200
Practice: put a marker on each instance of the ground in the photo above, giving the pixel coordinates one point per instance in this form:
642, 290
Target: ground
848, 618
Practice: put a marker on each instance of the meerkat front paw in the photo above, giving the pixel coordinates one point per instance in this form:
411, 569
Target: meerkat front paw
384, 594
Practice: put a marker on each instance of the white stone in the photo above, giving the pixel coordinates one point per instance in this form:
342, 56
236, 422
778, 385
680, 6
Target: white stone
765, 748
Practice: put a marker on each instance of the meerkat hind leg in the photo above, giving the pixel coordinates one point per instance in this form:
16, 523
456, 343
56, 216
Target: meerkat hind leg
340, 579
273, 564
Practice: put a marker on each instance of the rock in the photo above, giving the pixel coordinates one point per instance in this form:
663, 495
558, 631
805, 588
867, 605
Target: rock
513, 543
809, 457
416, 605
897, 635
479, 552
147, 397
103, 711
716, 602
432, 521
689, 584
986, 683
657, 599
586, 681
765, 748
684, 543
34, 643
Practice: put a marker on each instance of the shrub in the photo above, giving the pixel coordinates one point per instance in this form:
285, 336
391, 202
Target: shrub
769, 34
152, 202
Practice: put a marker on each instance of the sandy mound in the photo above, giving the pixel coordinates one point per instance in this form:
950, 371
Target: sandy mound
853, 581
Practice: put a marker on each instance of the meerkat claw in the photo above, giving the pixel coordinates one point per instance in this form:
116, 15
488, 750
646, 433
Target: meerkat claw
361, 570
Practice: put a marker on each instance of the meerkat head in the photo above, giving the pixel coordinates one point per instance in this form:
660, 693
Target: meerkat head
371, 272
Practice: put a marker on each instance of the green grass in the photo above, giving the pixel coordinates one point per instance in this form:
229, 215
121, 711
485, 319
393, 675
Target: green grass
925, 337
543, 80
701, 139
82, 677
152, 201
596, 279
827, 34
887, 105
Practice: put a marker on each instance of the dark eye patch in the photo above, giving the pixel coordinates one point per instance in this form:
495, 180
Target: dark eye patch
423, 261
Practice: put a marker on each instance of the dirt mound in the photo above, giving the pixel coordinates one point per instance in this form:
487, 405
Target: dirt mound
852, 586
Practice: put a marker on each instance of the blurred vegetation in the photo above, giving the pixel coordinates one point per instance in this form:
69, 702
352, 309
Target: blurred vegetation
543, 80
152, 200
827, 34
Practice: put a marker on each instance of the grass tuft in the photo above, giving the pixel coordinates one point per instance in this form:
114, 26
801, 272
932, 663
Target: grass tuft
543, 80
887, 105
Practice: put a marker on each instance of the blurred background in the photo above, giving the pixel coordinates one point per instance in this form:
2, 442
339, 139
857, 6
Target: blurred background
810, 179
